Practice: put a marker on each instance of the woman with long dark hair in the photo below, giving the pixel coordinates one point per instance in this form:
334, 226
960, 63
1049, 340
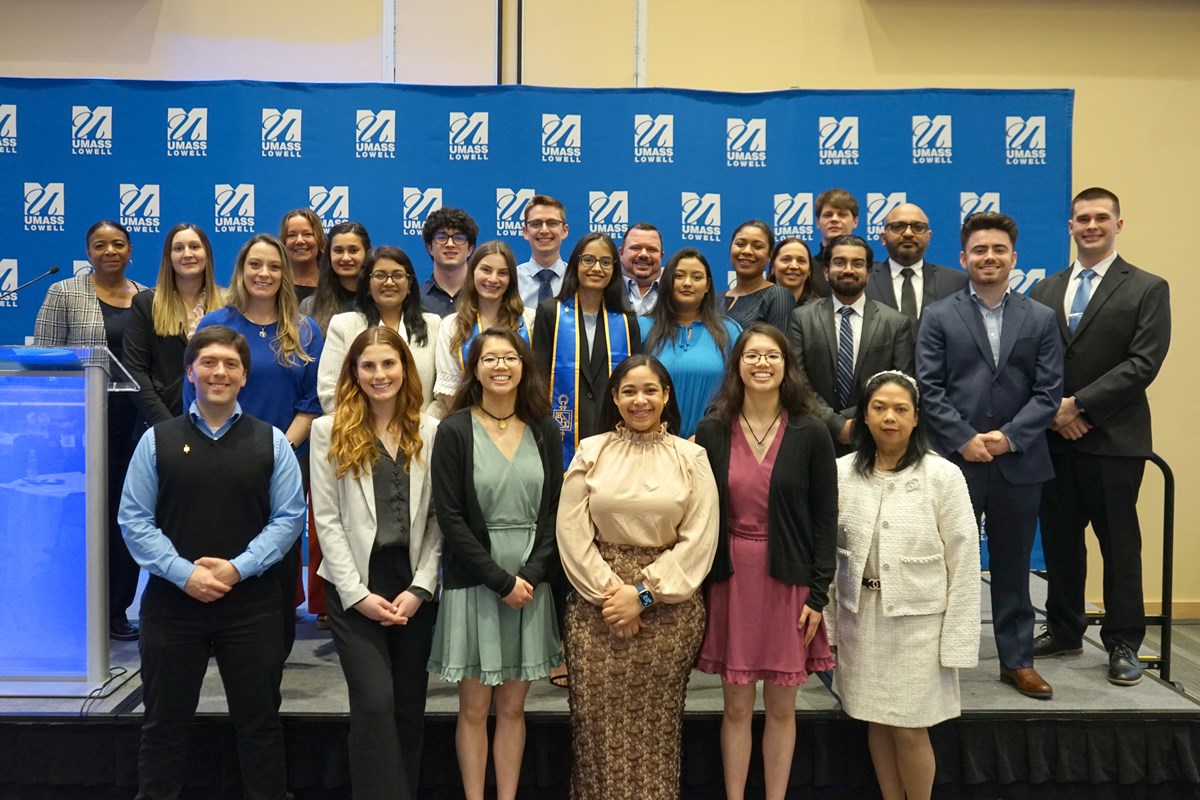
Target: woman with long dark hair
637, 528
907, 582
371, 496
337, 275
497, 474
688, 335
792, 268
777, 483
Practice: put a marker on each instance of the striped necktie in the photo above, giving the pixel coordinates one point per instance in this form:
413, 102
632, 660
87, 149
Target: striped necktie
845, 360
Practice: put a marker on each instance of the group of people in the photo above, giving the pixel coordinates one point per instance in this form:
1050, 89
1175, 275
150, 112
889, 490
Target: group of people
607, 471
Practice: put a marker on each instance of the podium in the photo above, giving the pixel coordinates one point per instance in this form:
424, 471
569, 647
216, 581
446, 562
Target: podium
53, 523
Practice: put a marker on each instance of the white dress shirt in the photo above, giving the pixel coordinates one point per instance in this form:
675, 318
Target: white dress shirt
1075, 284
918, 281
856, 321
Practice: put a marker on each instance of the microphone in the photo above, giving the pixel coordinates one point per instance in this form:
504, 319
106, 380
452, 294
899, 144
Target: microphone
51, 271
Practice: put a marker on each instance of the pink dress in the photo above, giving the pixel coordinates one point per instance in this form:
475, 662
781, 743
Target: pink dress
752, 633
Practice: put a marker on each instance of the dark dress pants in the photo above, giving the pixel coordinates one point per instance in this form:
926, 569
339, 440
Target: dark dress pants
1102, 490
122, 569
387, 683
175, 654
1011, 512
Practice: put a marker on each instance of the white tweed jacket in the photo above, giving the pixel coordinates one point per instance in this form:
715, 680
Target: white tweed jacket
928, 550
70, 315
343, 329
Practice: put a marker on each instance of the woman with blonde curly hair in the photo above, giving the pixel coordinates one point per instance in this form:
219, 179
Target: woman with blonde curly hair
371, 496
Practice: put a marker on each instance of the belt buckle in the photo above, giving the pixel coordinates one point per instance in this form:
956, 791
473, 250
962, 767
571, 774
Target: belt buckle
871, 583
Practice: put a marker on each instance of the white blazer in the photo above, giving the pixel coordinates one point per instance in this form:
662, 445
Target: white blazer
344, 511
344, 328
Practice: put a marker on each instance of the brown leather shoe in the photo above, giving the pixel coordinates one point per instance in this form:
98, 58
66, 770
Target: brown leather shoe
1027, 682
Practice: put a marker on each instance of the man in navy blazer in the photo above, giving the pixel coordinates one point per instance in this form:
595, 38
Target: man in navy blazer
906, 281
1115, 326
989, 364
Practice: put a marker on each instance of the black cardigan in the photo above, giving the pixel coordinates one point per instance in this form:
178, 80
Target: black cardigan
156, 363
802, 505
466, 557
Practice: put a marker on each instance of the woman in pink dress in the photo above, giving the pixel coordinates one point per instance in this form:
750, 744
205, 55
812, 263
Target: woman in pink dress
775, 552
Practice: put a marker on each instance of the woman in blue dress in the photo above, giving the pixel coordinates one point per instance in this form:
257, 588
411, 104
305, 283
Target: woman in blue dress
688, 335
753, 298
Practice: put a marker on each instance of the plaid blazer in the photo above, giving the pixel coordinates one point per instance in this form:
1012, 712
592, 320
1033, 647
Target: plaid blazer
70, 315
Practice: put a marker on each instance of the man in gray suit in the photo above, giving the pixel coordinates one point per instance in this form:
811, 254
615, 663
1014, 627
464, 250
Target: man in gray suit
846, 338
906, 281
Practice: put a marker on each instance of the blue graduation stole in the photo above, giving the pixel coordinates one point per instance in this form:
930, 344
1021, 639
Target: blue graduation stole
564, 361
466, 346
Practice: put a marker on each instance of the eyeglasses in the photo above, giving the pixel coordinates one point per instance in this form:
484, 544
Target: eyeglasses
510, 360
900, 227
441, 237
395, 277
551, 224
589, 260
750, 357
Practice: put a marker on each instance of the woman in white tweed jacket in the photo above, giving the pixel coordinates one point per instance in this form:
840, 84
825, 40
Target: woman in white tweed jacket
904, 606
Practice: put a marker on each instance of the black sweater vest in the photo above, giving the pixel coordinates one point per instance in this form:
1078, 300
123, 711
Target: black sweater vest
214, 497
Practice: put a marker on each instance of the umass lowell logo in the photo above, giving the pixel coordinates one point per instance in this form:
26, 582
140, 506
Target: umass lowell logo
879, 205
700, 216
932, 139
654, 139
91, 130
45, 207
281, 133
233, 207
468, 136
140, 207
418, 203
375, 133
8, 128
745, 142
562, 138
510, 210
608, 212
331, 204
794, 215
1024, 140
837, 141
977, 203
9, 280
187, 132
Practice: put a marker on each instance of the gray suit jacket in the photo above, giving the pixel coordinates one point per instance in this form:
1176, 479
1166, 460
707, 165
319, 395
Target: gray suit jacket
887, 343
937, 282
70, 315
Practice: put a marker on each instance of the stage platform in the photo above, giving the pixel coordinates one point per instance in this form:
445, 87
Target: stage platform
1092, 740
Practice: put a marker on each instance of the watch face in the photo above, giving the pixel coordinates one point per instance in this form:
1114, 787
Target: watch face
645, 598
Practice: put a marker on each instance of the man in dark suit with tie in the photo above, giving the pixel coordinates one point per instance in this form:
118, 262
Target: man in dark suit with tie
906, 281
989, 365
844, 339
1115, 324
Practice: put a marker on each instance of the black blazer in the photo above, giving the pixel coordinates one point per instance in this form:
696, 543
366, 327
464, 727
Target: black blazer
887, 342
466, 555
156, 363
593, 372
936, 282
802, 505
1113, 356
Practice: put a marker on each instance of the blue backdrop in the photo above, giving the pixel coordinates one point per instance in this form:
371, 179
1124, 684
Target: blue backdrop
233, 156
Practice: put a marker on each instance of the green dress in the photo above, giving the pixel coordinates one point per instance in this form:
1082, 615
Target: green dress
478, 635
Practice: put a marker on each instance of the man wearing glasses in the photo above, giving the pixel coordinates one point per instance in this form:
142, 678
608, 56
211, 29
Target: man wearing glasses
450, 236
843, 339
906, 281
545, 229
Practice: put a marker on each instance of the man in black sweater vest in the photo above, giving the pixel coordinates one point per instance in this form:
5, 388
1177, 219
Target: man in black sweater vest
211, 502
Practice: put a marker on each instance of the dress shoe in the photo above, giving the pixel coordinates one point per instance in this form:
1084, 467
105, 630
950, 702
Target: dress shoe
1124, 669
1027, 682
122, 630
1046, 646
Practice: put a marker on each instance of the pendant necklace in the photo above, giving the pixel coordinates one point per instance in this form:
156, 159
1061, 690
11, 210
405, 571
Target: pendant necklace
759, 443
501, 422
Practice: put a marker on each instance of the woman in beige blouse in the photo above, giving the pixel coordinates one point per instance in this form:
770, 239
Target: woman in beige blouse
637, 530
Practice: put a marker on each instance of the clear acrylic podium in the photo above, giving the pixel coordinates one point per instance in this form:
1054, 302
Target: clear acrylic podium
53, 525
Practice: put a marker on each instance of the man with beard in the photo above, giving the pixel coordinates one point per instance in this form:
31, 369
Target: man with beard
641, 266
844, 339
906, 281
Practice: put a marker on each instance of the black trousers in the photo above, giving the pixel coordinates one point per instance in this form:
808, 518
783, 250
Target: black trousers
122, 569
1103, 491
1011, 511
387, 682
175, 656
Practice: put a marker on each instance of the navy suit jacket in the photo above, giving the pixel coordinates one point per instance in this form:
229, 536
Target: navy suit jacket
1114, 354
936, 282
963, 392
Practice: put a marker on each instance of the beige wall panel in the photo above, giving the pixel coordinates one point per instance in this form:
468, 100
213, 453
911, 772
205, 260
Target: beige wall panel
578, 43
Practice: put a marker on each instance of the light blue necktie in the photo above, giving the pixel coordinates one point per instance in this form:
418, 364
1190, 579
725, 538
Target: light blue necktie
845, 361
1082, 295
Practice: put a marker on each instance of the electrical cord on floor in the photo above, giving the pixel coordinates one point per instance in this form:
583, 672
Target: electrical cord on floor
97, 694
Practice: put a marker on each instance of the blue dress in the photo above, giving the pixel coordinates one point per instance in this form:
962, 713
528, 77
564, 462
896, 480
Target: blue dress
695, 364
273, 393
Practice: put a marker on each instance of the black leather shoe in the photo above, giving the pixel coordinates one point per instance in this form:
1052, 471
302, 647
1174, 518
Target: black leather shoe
1046, 646
1124, 669
122, 630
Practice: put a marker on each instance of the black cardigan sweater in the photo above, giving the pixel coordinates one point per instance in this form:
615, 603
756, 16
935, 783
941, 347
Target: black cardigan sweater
802, 505
156, 363
466, 557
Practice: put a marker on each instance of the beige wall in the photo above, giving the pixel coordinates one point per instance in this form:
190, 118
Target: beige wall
1132, 66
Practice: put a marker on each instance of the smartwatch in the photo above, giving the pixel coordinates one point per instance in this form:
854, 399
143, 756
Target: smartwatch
644, 596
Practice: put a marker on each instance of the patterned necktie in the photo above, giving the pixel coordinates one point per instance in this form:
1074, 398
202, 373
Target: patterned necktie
908, 296
845, 361
544, 279
1082, 295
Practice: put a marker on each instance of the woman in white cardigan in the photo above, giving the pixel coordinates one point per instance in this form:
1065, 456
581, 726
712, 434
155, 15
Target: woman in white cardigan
382, 550
904, 609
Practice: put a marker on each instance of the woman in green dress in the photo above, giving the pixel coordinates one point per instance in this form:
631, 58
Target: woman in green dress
497, 473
